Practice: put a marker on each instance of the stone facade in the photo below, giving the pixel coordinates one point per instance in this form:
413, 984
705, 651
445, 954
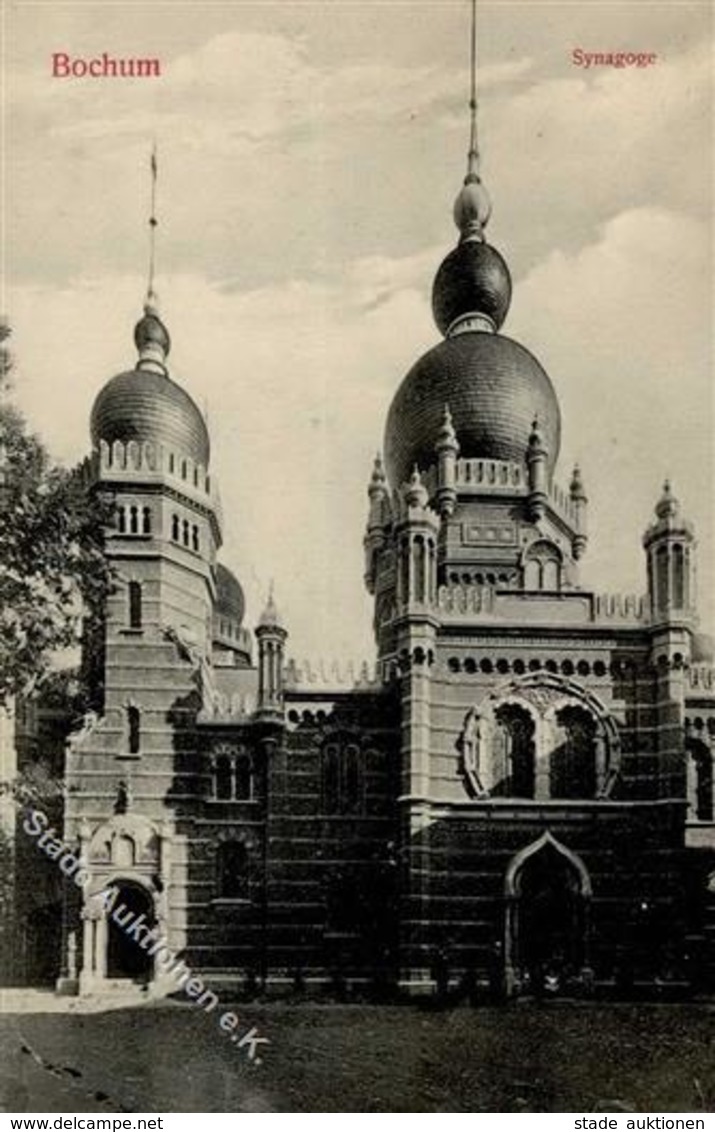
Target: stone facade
521, 790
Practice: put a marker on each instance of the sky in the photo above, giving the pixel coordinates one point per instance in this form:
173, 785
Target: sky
309, 155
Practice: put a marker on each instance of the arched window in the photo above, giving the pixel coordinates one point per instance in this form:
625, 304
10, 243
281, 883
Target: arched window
542, 566
183, 469
146, 520
703, 773
122, 520
185, 532
405, 571
420, 593
172, 462
135, 605
661, 577
223, 785
342, 773
331, 778
134, 729
175, 527
244, 778
194, 537
514, 752
678, 576
352, 779
232, 870
573, 761
133, 521
550, 574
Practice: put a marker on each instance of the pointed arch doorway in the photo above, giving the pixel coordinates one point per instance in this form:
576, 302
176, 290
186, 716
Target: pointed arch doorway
125, 958
548, 895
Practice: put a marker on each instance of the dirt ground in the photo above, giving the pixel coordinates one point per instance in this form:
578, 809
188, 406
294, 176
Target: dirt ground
551, 1057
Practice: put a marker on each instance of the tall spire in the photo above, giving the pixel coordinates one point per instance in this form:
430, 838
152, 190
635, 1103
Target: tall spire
150, 335
153, 224
472, 207
473, 154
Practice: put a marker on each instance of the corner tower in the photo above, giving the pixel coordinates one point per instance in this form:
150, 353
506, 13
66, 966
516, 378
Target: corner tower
151, 455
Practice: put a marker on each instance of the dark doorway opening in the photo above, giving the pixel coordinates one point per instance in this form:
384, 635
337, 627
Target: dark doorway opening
126, 959
550, 923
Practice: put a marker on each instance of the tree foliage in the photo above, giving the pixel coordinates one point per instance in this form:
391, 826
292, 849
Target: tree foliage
53, 571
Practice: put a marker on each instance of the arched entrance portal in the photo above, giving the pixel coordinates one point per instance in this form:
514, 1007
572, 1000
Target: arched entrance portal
125, 958
548, 894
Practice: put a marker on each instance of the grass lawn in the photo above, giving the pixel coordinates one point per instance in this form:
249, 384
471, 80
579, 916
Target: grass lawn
555, 1057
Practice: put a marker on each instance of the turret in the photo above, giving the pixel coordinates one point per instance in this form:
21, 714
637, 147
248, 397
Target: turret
536, 460
670, 544
447, 449
416, 546
378, 515
271, 637
579, 501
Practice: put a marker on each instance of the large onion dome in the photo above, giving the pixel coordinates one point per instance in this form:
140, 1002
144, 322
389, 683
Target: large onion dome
144, 404
473, 280
230, 600
494, 388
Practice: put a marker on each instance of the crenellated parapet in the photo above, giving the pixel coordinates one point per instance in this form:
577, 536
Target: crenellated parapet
564, 504
331, 675
221, 707
461, 599
503, 478
624, 608
233, 637
498, 477
147, 463
701, 677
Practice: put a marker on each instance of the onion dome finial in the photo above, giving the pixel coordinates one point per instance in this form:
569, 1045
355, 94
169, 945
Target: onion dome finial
536, 440
270, 618
472, 289
472, 208
447, 437
577, 490
377, 486
414, 492
152, 339
667, 506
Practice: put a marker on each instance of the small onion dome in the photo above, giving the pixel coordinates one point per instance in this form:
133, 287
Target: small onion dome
144, 404
414, 492
576, 489
667, 506
472, 208
230, 600
494, 388
270, 618
702, 648
473, 279
150, 331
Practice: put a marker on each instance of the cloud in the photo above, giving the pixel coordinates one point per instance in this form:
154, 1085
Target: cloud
304, 202
623, 327
267, 81
298, 379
